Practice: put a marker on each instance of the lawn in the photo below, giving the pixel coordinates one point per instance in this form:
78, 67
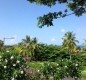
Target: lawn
83, 73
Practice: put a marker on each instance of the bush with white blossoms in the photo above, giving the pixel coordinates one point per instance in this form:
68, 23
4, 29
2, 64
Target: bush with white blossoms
62, 69
74, 69
12, 66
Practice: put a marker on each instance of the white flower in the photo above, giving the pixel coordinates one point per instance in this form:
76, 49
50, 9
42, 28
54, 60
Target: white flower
65, 66
51, 78
17, 61
57, 64
11, 57
6, 60
12, 79
75, 77
14, 64
62, 59
16, 75
5, 67
7, 51
76, 64
22, 72
0, 57
38, 70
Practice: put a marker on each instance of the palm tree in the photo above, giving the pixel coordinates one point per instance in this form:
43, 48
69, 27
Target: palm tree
26, 40
69, 42
30, 45
34, 46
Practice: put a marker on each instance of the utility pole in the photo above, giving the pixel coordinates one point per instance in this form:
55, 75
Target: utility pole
8, 38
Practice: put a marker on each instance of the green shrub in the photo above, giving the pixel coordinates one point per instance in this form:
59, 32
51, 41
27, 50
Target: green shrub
12, 66
56, 70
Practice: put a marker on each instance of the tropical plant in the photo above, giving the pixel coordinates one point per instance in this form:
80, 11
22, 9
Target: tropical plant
29, 45
69, 42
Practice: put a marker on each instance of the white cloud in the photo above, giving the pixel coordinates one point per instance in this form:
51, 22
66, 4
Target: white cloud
53, 40
63, 30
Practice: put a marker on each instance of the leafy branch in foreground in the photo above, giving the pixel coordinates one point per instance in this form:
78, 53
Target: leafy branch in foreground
78, 7
48, 19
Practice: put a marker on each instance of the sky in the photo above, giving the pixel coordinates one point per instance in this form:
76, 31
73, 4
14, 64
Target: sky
18, 18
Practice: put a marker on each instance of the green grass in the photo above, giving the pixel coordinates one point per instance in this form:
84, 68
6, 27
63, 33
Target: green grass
83, 73
37, 65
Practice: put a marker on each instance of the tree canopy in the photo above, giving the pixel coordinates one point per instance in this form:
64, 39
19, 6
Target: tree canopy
78, 7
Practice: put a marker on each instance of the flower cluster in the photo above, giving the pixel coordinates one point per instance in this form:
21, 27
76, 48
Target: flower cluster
12, 66
62, 69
